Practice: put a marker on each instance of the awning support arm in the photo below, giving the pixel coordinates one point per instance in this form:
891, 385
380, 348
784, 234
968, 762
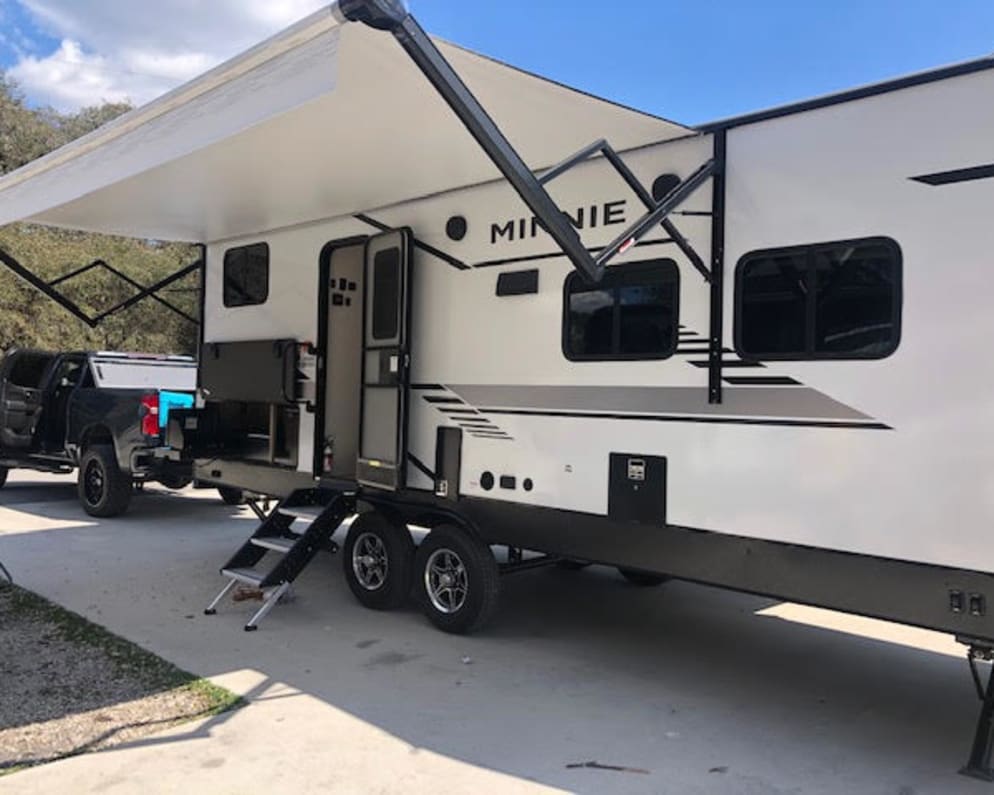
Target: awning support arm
49, 288
390, 15
602, 147
150, 292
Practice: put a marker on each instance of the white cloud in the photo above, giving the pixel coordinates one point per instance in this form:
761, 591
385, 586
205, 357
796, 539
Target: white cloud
122, 49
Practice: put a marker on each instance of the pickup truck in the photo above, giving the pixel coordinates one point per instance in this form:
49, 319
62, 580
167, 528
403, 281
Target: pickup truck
99, 413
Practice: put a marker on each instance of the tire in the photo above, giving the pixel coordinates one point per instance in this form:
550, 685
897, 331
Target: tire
104, 490
378, 559
642, 579
175, 482
231, 495
3, 476
449, 550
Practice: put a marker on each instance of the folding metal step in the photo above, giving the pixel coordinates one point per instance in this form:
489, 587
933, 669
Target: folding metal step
247, 576
310, 513
275, 543
325, 509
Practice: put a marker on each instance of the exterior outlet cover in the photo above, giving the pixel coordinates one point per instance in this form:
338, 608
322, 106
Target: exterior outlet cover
637, 488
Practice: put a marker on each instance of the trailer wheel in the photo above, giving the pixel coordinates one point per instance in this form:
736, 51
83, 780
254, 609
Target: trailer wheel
643, 579
458, 580
104, 490
230, 495
378, 557
3, 476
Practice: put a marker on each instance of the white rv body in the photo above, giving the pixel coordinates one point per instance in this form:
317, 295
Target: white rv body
895, 460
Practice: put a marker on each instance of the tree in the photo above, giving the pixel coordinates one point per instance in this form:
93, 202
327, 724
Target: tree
27, 317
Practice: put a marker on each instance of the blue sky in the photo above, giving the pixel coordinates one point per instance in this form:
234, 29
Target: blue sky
691, 61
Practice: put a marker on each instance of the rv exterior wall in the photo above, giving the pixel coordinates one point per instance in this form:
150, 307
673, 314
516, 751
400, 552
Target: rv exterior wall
884, 457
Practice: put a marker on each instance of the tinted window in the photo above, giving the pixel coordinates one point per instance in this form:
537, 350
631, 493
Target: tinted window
29, 369
246, 275
834, 300
630, 314
386, 294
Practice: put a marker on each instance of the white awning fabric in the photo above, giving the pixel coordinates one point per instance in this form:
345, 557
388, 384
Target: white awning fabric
323, 119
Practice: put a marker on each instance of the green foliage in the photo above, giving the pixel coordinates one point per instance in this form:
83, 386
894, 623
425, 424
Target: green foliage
28, 318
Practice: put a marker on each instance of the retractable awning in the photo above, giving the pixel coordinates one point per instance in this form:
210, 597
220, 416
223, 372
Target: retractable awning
324, 119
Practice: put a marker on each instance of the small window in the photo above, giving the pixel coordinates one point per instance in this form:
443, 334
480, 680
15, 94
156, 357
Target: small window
386, 294
246, 275
630, 314
826, 301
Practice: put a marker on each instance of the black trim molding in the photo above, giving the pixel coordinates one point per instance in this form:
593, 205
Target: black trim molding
956, 175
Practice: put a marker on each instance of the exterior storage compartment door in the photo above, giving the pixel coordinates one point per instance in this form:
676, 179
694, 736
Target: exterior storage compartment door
386, 361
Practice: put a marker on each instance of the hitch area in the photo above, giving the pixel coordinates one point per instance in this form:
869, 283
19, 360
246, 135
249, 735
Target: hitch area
979, 764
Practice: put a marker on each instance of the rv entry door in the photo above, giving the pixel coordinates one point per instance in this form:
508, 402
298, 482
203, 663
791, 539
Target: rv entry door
386, 361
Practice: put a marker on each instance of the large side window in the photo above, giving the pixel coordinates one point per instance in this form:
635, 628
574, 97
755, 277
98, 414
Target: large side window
630, 314
826, 301
246, 275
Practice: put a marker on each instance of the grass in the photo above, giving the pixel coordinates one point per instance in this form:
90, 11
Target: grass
151, 671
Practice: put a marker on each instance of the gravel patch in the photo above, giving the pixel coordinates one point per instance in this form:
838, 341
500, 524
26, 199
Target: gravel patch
70, 686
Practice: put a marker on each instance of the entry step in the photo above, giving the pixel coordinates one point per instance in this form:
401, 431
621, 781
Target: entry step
275, 543
308, 512
247, 576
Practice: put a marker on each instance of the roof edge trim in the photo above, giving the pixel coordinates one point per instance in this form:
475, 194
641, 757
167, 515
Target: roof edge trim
850, 95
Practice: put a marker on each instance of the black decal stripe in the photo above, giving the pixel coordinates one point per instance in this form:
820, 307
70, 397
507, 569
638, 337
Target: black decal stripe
447, 258
729, 363
455, 411
441, 399
761, 380
876, 426
419, 465
511, 260
429, 387
957, 175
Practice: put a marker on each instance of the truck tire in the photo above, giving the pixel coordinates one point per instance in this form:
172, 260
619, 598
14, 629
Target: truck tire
3, 476
378, 559
230, 495
457, 578
642, 579
104, 490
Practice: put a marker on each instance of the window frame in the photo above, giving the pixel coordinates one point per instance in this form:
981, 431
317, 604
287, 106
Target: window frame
643, 266
809, 251
224, 275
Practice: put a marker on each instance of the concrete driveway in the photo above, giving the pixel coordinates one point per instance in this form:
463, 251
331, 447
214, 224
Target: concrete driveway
707, 691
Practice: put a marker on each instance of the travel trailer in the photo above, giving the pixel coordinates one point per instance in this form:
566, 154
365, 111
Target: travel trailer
749, 354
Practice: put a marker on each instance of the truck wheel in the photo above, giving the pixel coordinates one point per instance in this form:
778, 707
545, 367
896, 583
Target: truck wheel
458, 580
231, 495
104, 490
643, 579
377, 558
3, 476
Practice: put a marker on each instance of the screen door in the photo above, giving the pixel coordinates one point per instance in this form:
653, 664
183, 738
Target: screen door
386, 361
